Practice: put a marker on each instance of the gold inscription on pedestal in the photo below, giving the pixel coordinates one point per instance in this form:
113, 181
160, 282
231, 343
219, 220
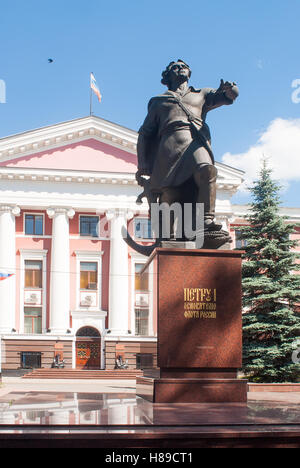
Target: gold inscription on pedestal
200, 303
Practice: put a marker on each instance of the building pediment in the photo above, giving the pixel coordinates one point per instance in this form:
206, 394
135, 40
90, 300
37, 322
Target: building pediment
90, 143
85, 155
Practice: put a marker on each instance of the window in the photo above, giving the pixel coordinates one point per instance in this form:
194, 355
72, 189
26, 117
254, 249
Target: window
32, 319
34, 224
88, 275
31, 360
141, 300
239, 243
89, 226
141, 321
141, 280
144, 360
33, 280
142, 228
88, 280
33, 274
34, 287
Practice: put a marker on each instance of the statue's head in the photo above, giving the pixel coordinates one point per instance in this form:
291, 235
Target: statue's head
174, 67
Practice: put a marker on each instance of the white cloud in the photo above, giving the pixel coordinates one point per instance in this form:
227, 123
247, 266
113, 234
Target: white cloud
280, 145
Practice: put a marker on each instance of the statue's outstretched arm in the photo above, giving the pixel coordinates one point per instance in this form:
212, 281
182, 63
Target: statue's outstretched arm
229, 89
226, 94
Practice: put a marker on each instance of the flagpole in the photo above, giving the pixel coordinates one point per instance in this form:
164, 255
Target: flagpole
90, 96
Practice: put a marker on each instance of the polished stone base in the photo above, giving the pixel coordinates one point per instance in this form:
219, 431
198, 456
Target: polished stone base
85, 419
192, 387
211, 240
175, 244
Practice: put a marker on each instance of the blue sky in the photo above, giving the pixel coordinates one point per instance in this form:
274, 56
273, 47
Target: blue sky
128, 44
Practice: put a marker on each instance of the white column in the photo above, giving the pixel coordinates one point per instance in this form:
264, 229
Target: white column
60, 270
118, 273
8, 265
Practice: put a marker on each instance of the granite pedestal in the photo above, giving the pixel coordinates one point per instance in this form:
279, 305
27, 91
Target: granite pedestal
197, 294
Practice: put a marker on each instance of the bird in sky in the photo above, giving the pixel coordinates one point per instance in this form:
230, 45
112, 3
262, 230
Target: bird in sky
50, 60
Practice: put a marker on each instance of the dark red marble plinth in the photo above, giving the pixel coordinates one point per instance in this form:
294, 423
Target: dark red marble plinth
188, 390
197, 294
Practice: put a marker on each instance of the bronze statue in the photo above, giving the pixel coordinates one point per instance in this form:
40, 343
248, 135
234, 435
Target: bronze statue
174, 147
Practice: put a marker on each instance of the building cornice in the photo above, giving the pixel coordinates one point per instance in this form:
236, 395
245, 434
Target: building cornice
71, 176
292, 213
62, 134
95, 177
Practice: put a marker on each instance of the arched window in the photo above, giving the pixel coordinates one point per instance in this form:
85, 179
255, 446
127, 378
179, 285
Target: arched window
88, 332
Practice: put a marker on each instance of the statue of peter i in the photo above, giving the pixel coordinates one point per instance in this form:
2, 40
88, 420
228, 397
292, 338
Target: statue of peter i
174, 143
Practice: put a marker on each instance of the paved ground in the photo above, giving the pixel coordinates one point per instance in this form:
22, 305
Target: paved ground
288, 397
113, 386
105, 414
10, 384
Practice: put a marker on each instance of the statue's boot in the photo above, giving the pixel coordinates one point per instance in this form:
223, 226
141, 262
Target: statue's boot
171, 224
206, 179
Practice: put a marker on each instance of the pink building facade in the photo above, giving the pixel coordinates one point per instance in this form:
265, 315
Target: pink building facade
75, 293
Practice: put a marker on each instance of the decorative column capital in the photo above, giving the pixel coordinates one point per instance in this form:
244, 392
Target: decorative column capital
53, 211
119, 213
13, 209
129, 215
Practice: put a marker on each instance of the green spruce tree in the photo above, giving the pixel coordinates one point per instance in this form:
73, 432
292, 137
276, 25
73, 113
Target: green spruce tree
271, 288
